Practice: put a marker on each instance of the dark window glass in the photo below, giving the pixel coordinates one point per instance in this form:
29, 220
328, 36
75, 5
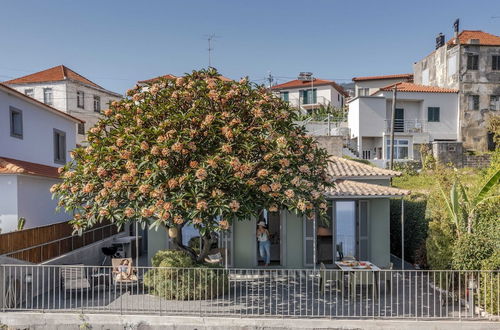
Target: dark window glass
473, 102
59, 146
81, 128
495, 62
16, 123
97, 103
472, 62
433, 114
80, 99
284, 96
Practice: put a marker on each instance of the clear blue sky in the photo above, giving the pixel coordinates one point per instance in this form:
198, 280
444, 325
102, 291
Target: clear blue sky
116, 43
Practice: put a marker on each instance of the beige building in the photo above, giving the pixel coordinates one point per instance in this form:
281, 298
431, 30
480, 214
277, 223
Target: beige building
469, 63
366, 86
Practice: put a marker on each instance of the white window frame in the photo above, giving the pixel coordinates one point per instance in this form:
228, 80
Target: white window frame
18, 112
57, 152
80, 99
397, 146
29, 92
494, 102
97, 103
48, 96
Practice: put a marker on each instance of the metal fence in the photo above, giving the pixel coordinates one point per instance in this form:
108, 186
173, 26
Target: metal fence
301, 293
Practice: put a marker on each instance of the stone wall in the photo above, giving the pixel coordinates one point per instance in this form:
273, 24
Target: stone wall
477, 161
448, 153
333, 144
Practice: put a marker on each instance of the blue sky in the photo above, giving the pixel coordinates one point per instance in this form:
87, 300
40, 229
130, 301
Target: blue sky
116, 43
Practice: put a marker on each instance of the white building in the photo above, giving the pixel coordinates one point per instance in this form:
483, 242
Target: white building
35, 139
311, 94
67, 91
365, 86
423, 114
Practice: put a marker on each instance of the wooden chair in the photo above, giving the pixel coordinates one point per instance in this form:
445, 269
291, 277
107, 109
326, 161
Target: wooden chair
74, 278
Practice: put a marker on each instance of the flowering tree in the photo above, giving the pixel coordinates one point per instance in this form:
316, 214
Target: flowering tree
197, 150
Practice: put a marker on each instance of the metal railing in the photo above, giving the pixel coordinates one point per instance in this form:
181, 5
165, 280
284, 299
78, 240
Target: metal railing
406, 126
304, 293
55, 248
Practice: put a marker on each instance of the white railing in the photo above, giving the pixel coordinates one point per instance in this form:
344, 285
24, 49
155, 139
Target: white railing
406, 126
306, 293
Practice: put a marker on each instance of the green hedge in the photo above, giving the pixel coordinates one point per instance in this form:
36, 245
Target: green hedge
178, 277
490, 284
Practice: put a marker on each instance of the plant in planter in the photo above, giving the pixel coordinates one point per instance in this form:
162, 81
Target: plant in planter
194, 150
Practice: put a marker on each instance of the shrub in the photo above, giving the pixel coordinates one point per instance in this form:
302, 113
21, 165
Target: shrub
490, 284
416, 226
470, 250
359, 160
409, 167
439, 244
178, 277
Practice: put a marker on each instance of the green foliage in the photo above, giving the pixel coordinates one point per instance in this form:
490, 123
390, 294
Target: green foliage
490, 284
322, 113
189, 150
409, 167
177, 276
415, 227
470, 250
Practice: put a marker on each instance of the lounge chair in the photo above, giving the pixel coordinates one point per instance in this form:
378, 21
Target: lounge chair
118, 278
216, 256
74, 278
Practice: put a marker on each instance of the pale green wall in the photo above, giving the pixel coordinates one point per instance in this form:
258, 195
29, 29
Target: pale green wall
379, 239
294, 241
245, 245
157, 240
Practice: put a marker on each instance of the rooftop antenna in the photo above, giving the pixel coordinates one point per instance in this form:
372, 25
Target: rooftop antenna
210, 37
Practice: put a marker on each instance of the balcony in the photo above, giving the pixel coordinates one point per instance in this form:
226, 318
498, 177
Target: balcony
406, 126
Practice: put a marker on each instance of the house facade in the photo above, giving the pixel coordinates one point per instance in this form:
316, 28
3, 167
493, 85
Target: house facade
35, 139
357, 225
469, 63
308, 95
423, 114
365, 86
69, 92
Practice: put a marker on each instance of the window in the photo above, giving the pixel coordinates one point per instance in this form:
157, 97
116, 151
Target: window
80, 99
81, 128
284, 96
495, 62
473, 102
363, 91
472, 62
400, 149
308, 96
97, 103
494, 102
433, 114
16, 123
29, 92
366, 154
47, 96
345, 233
59, 146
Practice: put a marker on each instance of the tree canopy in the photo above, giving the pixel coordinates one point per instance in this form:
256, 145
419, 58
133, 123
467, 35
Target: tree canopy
197, 149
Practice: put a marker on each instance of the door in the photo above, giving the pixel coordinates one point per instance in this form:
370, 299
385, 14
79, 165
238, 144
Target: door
399, 122
363, 230
309, 242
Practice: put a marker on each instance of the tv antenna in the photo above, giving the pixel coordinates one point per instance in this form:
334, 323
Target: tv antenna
210, 38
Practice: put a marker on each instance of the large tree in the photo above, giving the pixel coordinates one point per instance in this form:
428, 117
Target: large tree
196, 149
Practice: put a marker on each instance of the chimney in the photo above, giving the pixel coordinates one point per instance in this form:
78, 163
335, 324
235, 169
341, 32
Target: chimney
439, 40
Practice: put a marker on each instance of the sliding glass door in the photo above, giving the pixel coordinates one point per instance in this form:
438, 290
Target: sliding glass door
345, 233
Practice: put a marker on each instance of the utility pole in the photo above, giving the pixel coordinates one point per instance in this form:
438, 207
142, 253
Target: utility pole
270, 79
209, 39
393, 119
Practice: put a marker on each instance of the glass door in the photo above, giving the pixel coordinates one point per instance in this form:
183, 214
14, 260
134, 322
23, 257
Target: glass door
345, 233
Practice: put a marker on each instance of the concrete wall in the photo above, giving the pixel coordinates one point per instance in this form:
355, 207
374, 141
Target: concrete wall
332, 144
448, 153
37, 144
35, 202
8, 203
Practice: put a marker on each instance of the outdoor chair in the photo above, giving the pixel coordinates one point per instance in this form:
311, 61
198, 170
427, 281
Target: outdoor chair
216, 256
74, 278
387, 276
336, 276
121, 279
363, 278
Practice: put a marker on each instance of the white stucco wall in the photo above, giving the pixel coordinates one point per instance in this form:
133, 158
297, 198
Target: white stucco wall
375, 85
37, 145
8, 203
58, 92
325, 94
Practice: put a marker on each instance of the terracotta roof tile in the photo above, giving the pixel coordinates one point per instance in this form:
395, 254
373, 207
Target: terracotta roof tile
14, 166
339, 167
307, 84
485, 39
32, 100
411, 87
407, 76
57, 73
171, 76
349, 188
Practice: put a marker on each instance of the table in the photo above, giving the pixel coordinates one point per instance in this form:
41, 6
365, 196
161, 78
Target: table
363, 277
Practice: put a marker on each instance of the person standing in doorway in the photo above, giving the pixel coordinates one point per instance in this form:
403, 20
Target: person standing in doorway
264, 242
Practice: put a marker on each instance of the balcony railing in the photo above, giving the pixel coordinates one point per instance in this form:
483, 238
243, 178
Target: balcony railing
304, 293
406, 126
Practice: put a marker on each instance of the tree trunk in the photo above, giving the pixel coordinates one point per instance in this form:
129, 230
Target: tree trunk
177, 242
470, 220
208, 239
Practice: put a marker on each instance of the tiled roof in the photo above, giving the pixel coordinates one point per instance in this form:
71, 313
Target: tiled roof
307, 84
407, 76
57, 73
32, 100
485, 39
349, 188
411, 87
339, 167
14, 166
171, 76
